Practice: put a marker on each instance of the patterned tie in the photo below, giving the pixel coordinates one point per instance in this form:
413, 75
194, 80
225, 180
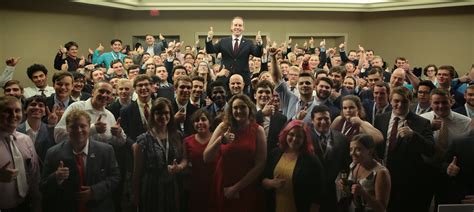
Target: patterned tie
393, 134
146, 111
236, 47
21, 180
82, 179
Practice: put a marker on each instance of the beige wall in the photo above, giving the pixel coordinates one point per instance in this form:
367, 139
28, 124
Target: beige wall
440, 36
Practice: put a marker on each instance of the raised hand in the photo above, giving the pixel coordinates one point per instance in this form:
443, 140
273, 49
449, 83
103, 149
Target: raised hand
302, 113
405, 131
62, 50
91, 51
100, 47
436, 123
210, 34
277, 182
258, 38
82, 62
305, 44
62, 173
322, 44
12, 61
311, 42
52, 116
65, 66
162, 37
361, 48
453, 168
116, 130
229, 136
342, 46
174, 168
7, 174
100, 126
180, 116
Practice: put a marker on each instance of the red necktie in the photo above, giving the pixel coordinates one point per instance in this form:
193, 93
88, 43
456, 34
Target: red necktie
236, 47
80, 168
393, 134
146, 112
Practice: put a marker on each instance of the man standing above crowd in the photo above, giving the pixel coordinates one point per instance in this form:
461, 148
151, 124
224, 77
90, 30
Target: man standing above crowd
153, 48
108, 57
236, 50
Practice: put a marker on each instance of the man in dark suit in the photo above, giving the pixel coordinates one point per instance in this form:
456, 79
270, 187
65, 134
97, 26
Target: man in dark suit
268, 115
422, 103
153, 48
468, 108
380, 104
124, 92
79, 174
332, 149
459, 165
217, 93
40, 133
408, 137
182, 107
236, 50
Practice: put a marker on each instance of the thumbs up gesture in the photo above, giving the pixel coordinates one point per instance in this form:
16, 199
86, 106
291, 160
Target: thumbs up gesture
258, 38
65, 66
7, 174
100, 126
210, 34
229, 137
453, 168
174, 167
62, 173
100, 48
82, 62
116, 130
12, 61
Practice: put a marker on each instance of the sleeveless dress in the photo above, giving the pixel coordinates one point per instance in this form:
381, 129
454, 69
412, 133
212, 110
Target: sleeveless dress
235, 161
200, 176
347, 128
368, 184
159, 191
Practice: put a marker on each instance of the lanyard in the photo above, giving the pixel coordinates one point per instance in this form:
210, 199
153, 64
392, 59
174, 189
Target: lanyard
166, 146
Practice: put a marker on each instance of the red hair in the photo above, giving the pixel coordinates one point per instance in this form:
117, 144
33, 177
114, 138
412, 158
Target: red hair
307, 146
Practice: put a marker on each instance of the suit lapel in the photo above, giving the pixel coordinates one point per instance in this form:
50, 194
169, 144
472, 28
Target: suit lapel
91, 162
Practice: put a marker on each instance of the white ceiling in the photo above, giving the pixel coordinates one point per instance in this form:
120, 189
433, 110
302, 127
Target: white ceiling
277, 5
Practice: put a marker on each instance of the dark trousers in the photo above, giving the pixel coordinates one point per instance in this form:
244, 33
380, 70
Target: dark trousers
23, 207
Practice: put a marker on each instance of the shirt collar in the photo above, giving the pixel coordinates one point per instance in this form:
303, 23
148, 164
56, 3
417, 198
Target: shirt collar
240, 38
327, 135
142, 104
66, 103
85, 150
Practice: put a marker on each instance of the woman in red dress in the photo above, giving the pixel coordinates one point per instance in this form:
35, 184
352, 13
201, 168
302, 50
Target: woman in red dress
201, 174
239, 147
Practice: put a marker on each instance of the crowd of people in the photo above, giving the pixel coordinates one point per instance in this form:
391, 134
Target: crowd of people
234, 125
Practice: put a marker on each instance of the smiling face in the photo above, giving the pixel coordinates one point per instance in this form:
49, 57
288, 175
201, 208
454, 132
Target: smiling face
78, 131
240, 111
183, 91
35, 110
10, 116
237, 27
400, 105
102, 95
162, 117
295, 138
322, 121
116, 46
39, 79
349, 109
359, 152
263, 96
63, 87
441, 105
197, 90
305, 85
218, 95
236, 84
323, 90
143, 89
201, 125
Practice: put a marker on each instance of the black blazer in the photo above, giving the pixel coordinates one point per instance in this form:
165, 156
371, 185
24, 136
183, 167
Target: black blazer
50, 102
236, 63
102, 175
115, 108
308, 181
131, 122
333, 162
188, 125
462, 184
408, 170
369, 110
277, 123
461, 110
44, 139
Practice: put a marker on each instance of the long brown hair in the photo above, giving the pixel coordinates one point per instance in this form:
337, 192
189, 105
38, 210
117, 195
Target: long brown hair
229, 119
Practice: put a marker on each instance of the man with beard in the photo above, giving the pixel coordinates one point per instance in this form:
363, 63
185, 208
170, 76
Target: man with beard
38, 74
108, 57
468, 108
217, 93
105, 127
324, 87
182, 107
196, 97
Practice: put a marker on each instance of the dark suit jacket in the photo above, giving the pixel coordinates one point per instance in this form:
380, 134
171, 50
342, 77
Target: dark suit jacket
405, 163
131, 122
333, 162
115, 108
277, 123
369, 110
236, 63
102, 175
188, 125
461, 110
463, 183
308, 180
44, 139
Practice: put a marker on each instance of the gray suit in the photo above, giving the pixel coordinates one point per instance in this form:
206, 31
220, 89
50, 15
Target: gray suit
44, 139
101, 174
